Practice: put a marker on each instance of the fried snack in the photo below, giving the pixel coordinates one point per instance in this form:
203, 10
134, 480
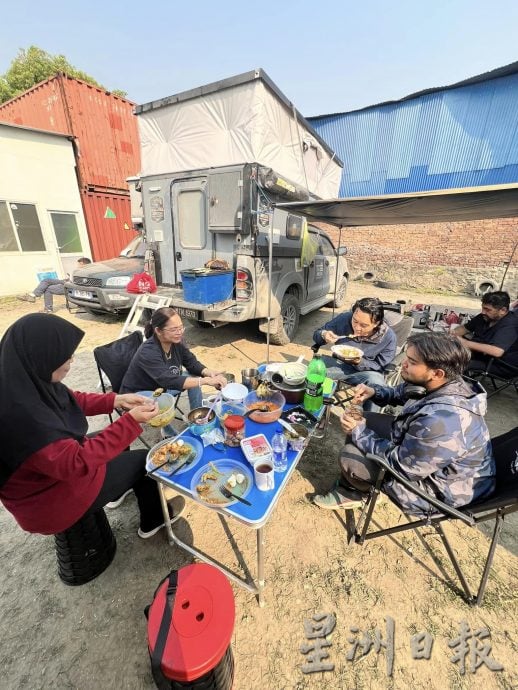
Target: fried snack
263, 406
171, 452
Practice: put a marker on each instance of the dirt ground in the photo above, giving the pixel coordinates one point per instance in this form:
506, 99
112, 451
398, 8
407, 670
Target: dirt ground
94, 637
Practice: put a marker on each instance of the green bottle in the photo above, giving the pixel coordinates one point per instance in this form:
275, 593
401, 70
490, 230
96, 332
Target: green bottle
316, 374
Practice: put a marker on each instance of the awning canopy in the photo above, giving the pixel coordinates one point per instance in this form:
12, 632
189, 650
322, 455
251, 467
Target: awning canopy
430, 207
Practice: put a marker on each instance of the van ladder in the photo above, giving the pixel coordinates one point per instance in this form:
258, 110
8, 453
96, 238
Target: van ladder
143, 301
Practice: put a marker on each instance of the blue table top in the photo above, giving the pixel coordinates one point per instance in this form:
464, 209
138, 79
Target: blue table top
263, 502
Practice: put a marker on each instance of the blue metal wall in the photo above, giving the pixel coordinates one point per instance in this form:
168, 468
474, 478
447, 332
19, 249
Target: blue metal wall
447, 139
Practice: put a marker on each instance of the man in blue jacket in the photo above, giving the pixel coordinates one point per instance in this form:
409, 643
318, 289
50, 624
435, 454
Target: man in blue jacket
364, 328
439, 439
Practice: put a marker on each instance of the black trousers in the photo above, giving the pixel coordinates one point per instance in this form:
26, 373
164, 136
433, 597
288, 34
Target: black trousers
128, 471
357, 470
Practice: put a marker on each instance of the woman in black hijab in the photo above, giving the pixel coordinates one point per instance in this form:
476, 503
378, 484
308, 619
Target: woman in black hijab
51, 473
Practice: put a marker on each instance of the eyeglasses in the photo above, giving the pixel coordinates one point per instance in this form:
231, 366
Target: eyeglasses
175, 329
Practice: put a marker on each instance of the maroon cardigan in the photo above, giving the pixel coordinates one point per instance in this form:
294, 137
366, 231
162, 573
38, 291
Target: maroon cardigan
56, 485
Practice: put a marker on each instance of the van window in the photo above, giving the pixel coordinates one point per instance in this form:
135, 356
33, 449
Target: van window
136, 248
294, 227
191, 218
327, 247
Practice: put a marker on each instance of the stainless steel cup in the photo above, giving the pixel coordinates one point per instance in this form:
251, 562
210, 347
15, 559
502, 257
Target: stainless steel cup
250, 378
230, 378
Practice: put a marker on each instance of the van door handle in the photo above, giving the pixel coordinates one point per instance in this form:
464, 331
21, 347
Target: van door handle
178, 256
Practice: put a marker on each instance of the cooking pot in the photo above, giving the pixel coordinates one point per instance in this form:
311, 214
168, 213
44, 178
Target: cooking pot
293, 394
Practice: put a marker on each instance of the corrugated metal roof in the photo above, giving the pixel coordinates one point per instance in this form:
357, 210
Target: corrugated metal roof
442, 139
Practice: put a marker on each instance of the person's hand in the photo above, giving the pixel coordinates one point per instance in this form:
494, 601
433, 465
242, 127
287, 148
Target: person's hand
351, 419
218, 381
330, 338
143, 413
127, 401
362, 393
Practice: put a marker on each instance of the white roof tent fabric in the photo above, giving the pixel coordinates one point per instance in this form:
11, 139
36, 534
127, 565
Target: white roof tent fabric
430, 207
243, 119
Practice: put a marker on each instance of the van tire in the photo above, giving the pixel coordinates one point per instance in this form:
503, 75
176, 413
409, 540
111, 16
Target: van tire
341, 293
284, 327
199, 324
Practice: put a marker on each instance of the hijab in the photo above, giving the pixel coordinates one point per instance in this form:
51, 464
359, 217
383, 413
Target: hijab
34, 412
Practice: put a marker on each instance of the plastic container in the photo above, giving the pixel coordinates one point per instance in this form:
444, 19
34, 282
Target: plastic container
280, 451
198, 413
207, 287
275, 400
256, 448
234, 427
314, 395
166, 407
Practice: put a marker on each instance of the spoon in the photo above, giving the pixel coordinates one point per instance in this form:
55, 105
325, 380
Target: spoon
205, 419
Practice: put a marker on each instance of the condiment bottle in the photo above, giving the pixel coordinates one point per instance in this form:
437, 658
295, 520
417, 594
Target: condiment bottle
234, 426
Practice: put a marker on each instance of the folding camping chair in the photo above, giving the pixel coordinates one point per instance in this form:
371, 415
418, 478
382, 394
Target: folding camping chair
501, 375
502, 502
114, 359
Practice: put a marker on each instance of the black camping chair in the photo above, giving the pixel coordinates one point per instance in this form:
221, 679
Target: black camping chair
114, 359
501, 375
502, 502
402, 327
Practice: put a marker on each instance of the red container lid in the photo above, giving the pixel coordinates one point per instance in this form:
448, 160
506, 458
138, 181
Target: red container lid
202, 622
234, 422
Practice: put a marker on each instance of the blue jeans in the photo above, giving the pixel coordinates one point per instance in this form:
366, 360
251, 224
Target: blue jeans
354, 377
194, 394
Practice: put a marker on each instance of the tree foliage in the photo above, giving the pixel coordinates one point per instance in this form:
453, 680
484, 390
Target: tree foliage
33, 65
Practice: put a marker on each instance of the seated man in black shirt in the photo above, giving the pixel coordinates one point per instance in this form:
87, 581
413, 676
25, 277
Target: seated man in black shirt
492, 333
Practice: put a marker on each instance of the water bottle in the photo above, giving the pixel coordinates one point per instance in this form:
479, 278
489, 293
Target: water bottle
280, 451
314, 395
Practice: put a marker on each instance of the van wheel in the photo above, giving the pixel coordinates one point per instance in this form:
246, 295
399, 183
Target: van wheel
340, 294
199, 324
284, 327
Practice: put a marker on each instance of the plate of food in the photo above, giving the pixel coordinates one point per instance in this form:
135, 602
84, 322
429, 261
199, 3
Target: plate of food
347, 352
231, 474
184, 452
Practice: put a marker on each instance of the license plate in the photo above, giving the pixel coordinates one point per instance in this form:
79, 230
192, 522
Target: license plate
188, 313
84, 294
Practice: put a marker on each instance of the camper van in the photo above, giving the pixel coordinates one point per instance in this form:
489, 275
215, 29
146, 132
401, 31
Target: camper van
216, 161
226, 217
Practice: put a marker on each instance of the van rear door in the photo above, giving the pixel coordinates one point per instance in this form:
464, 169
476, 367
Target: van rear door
192, 244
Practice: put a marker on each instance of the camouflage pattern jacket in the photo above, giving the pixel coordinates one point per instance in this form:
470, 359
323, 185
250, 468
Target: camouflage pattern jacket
441, 442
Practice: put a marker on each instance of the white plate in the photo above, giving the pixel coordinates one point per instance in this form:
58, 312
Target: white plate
224, 468
346, 352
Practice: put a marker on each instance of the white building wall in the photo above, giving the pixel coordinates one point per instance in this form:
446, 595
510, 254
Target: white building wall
38, 168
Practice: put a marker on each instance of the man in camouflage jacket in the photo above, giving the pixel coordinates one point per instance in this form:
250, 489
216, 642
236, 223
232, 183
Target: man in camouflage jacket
439, 440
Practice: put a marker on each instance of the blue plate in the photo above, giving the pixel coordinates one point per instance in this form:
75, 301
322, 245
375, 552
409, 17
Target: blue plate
225, 467
166, 471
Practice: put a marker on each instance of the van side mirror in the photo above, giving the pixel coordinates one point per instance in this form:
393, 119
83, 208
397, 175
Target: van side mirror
342, 251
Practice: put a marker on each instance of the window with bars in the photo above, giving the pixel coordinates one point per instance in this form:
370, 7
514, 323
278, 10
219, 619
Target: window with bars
20, 229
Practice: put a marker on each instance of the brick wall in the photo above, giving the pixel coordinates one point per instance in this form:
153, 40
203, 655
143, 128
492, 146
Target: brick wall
442, 256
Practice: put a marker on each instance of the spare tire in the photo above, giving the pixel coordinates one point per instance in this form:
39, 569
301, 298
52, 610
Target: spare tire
387, 284
484, 285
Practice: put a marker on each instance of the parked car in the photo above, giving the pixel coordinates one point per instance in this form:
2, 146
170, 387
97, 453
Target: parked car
100, 287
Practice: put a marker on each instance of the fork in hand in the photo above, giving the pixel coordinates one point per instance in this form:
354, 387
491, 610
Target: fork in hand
229, 494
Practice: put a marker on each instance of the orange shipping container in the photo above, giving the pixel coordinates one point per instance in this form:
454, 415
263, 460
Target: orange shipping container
107, 141
108, 217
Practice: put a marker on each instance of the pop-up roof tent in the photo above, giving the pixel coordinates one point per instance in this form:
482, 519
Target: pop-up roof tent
243, 119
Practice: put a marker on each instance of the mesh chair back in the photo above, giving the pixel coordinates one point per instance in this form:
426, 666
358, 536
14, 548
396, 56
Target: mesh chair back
505, 451
114, 358
402, 329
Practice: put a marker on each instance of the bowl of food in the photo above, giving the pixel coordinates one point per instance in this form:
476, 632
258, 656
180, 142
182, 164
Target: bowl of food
264, 410
293, 373
346, 352
197, 423
298, 440
165, 415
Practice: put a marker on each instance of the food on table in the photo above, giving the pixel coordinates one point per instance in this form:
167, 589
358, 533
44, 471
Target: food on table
208, 477
234, 480
170, 453
208, 484
263, 406
263, 390
256, 448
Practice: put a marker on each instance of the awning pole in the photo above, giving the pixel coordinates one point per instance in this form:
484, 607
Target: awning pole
270, 261
336, 271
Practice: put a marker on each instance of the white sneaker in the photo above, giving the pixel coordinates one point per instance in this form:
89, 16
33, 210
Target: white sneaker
115, 504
